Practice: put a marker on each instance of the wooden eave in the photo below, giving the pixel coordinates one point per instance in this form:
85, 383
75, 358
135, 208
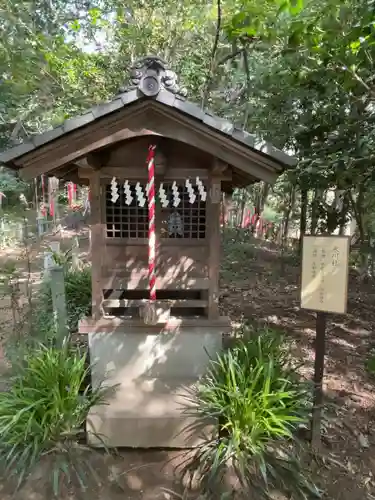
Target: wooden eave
132, 115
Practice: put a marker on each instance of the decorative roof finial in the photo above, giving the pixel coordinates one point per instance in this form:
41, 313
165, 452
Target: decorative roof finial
150, 75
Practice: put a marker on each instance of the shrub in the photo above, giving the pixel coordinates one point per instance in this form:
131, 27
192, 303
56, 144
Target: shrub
78, 301
43, 414
238, 252
370, 363
259, 403
42, 328
12, 186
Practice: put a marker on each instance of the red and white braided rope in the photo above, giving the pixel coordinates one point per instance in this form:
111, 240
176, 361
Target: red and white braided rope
151, 222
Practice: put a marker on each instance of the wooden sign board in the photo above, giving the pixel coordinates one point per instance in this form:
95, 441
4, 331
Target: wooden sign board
325, 268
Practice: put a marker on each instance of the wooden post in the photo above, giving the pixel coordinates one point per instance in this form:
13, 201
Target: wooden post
75, 253
40, 225
2, 232
97, 243
213, 225
49, 262
20, 231
321, 319
58, 302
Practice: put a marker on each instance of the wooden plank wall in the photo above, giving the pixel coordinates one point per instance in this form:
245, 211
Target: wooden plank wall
176, 266
181, 264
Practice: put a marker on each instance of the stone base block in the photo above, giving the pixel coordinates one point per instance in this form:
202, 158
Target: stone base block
130, 355
149, 414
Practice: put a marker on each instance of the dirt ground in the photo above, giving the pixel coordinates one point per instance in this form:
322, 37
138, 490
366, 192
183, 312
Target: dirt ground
259, 289
255, 287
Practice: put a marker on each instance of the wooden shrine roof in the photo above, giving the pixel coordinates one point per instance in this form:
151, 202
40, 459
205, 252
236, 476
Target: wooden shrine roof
153, 104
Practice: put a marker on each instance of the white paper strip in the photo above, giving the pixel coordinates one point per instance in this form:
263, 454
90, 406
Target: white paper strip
163, 197
176, 194
190, 190
140, 195
128, 193
201, 190
114, 191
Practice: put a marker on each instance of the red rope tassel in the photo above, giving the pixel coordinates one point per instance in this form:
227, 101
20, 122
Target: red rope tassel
151, 222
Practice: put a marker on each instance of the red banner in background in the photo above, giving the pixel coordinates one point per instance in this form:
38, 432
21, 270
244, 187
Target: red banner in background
246, 222
51, 207
70, 194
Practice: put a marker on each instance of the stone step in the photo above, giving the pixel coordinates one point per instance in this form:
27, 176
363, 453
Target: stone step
133, 355
149, 413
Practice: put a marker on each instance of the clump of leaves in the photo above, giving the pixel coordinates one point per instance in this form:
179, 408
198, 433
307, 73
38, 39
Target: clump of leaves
77, 296
43, 413
43, 327
61, 258
12, 186
370, 363
238, 252
259, 402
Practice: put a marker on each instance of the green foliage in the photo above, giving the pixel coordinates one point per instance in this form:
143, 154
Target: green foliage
78, 302
238, 252
12, 187
297, 73
43, 414
370, 363
61, 258
260, 20
260, 403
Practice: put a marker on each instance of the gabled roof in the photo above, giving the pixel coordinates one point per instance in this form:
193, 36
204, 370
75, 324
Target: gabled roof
153, 97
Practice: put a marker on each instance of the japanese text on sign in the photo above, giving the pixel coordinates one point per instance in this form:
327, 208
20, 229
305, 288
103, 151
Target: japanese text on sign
325, 273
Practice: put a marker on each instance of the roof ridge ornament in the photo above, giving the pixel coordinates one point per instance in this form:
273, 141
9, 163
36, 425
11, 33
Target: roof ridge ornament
150, 75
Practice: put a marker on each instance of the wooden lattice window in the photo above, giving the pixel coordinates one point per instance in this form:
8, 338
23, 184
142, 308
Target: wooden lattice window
187, 220
125, 221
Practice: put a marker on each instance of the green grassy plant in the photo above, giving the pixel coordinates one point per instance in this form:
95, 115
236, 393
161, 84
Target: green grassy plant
78, 301
256, 396
238, 253
42, 416
370, 363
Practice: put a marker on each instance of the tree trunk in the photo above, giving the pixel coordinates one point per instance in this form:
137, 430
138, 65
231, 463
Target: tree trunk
260, 201
302, 225
287, 212
314, 211
357, 206
243, 207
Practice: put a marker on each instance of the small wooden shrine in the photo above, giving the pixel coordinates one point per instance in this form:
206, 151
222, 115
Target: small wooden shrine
156, 165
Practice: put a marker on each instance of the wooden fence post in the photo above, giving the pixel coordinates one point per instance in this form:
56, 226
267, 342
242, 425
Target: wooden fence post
40, 225
20, 232
49, 262
59, 302
75, 253
2, 232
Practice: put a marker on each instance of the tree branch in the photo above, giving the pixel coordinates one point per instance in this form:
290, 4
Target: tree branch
247, 71
213, 54
230, 56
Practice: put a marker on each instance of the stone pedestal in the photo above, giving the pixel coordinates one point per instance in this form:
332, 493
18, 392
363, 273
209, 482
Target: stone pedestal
155, 369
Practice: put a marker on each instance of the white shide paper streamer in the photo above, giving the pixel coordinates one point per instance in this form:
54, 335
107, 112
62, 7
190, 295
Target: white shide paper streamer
114, 191
128, 193
140, 195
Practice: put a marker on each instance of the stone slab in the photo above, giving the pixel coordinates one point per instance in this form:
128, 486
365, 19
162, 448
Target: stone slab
124, 357
151, 413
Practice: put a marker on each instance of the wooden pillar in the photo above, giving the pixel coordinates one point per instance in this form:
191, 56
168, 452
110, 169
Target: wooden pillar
75, 253
59, 302
97, 243
214, 241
